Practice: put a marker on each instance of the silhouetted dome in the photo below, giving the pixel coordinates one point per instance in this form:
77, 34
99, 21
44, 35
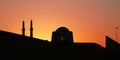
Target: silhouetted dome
62, 29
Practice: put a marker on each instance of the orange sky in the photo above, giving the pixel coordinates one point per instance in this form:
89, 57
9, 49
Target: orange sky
90, 20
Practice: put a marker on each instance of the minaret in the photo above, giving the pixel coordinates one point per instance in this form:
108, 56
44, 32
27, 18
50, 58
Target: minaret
23, 28
31, 29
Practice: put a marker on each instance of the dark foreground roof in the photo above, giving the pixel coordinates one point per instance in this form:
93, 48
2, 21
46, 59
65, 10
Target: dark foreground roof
112, 49
112, 44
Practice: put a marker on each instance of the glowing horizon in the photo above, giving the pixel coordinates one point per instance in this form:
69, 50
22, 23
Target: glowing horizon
89, 20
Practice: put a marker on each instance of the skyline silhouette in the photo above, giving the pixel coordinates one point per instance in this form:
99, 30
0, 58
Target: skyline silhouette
61, 34
61, 43
31, 32
89, 20
60, 29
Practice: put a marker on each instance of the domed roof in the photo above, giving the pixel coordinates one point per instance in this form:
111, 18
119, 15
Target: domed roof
62, 29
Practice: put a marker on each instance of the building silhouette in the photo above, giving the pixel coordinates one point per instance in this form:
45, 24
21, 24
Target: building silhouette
22, 46
112, 49
62, 35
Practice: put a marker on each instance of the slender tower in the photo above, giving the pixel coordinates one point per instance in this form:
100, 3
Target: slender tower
23, 28
31, 29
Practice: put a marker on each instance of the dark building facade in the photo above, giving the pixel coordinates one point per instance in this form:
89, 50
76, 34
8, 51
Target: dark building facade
62, 35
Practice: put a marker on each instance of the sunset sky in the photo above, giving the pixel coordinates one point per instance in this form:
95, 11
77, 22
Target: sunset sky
89, 20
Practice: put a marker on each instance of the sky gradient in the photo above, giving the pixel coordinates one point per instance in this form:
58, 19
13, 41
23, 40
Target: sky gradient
90, 20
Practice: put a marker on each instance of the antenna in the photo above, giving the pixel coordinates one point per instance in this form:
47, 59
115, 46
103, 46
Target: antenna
116, 32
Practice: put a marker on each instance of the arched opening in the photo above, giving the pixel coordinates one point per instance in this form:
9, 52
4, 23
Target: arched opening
62, 38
